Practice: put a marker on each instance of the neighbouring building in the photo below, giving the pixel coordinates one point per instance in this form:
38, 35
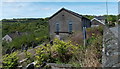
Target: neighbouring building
101, 18
65, 22
7, 38
96, 22
10, 37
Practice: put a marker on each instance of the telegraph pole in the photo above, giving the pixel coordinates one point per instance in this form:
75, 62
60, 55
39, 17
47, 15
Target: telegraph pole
84, 35
107, 12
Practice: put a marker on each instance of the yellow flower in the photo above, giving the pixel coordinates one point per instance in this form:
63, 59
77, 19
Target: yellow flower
36, 38
93, 34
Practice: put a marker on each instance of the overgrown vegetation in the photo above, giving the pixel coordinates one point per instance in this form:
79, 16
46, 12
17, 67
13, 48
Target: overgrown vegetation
34, 31
71, 51
91, 54
66, 53
10, 61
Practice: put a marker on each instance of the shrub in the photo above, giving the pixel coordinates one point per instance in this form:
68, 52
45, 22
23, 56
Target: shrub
29, 57
91, 55
10, 61
63, 50
42, 54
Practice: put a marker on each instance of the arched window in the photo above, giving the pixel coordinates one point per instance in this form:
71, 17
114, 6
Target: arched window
70, 26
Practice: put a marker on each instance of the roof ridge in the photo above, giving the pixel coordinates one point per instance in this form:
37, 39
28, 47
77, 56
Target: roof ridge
69, 11
98, 20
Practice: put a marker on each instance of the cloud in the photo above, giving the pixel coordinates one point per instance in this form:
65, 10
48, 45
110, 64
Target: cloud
46, 8
9, 0
59, 0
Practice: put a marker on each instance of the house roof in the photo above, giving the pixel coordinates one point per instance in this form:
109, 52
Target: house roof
6, 37
13, 35
100, 17
98, 21
69, 11
16, 34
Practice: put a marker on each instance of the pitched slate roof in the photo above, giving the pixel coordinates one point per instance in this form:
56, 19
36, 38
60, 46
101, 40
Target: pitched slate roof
17, 34
100, 17
69, 11
13, 35
98, 21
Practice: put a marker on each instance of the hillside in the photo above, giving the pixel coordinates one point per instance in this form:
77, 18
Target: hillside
63, 52
35, 45
34, 31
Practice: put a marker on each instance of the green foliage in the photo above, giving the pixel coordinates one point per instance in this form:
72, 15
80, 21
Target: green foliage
29, 57
90, 40
97, 44
23, 25
64, 50
89, 16
59, 52
10, 61
95, 31
36, 29
89, 56
42, 54
112, 18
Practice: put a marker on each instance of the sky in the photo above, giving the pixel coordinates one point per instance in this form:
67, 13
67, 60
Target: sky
13, 9
60, 0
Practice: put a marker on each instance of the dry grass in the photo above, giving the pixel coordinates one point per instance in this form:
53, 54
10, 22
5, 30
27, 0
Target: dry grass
91, 55
91, 58
77, 38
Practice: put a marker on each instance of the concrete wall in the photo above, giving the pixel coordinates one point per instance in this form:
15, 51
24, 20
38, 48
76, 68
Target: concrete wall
111, 48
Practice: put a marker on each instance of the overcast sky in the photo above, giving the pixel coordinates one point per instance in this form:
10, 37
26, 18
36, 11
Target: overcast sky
14, 9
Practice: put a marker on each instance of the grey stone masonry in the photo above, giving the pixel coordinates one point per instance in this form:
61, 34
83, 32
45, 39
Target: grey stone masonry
111, 47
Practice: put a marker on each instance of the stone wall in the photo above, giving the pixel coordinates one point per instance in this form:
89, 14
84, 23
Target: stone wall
63, 22
111, 48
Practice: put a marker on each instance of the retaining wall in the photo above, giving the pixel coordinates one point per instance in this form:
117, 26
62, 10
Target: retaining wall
111, 47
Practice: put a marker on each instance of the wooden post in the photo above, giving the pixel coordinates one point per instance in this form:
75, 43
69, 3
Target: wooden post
84, 35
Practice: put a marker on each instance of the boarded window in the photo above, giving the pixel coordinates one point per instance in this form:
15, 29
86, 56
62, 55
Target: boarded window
57, 27
70, 27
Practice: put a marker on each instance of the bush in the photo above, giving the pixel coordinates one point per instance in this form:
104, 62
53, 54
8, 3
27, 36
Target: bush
89, 56
63, 51
29, 57
10, 61
42, 54
59, 52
